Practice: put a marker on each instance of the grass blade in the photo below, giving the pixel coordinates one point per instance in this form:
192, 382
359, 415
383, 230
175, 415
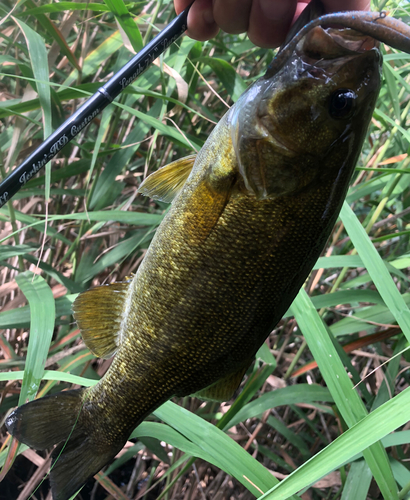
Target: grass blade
364, 434
42, 314
346, 398
127, 23
377, 269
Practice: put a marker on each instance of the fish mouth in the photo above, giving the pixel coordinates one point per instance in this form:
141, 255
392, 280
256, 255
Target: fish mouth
323, 44
352, 40
324, 54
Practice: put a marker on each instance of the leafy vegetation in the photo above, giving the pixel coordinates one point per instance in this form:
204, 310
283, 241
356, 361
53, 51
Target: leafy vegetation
339, 431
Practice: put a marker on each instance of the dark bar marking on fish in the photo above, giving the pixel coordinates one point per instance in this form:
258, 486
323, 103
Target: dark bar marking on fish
91, 108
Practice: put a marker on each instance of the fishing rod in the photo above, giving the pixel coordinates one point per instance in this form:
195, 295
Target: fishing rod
92, 107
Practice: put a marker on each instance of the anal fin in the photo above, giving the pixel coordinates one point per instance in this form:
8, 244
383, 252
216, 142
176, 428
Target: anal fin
224, 389
100, 313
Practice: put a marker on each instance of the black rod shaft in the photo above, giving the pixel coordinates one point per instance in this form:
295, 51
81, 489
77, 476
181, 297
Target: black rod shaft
91, 108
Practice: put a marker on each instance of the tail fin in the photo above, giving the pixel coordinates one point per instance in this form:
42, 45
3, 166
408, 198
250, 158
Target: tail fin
55, 419
46, 421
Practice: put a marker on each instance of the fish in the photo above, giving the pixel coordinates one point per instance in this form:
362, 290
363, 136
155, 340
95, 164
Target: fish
249, 216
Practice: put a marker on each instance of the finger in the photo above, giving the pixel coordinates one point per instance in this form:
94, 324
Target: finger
180, 5
232, 16
342, 5
270, 21
201, 23
300, 7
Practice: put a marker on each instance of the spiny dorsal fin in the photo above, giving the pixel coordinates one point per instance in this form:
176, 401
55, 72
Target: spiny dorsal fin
167, 182
224, 389
99, 313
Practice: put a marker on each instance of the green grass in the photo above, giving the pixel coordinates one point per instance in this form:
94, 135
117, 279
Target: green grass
82, 224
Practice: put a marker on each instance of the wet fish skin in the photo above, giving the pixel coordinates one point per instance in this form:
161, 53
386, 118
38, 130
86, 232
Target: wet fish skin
238, 242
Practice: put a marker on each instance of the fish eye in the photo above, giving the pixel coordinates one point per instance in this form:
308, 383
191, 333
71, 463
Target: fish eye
342, 103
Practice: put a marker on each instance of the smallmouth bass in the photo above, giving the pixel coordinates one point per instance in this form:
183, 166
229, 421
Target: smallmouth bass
250, 216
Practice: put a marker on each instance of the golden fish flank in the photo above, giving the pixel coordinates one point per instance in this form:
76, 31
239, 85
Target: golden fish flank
250, 216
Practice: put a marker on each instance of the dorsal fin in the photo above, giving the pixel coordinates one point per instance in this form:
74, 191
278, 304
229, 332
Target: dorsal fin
167, 182
99, 313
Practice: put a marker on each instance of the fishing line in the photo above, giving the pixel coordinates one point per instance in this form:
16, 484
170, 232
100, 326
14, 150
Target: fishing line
380, 366
91, 108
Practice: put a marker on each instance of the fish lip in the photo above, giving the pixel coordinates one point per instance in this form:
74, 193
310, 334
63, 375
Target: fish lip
322, 68
352, 40
334, 43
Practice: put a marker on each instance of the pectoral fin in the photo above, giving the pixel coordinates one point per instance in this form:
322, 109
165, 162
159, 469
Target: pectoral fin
99, 313
167, 182
224, 389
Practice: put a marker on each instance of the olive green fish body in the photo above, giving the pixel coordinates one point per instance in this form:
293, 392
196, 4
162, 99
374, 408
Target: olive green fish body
239, 240
249, 218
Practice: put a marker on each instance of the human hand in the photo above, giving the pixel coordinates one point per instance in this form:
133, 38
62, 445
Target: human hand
266, 21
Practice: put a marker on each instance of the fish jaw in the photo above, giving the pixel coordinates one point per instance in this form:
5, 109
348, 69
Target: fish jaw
283, 128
